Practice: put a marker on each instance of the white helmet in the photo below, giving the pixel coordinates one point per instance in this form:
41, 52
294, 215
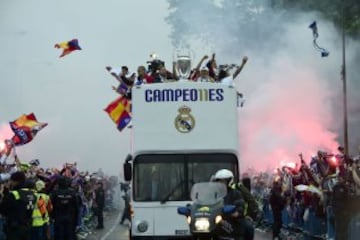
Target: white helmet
224, 174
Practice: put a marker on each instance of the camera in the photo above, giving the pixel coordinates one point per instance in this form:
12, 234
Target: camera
155, 65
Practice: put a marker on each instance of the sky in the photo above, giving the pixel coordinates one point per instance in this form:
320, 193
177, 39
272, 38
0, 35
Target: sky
70, 93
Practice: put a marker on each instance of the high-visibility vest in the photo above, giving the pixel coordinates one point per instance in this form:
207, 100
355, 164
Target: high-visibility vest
40, 215
24, 167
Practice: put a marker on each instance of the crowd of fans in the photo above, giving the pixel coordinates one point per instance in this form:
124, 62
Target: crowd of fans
315, 200
309, 200
52, 203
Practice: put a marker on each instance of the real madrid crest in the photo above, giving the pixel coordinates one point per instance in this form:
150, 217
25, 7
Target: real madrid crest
184, 121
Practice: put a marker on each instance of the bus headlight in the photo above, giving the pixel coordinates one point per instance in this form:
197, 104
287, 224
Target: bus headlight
202, 224
218, 219
142, 226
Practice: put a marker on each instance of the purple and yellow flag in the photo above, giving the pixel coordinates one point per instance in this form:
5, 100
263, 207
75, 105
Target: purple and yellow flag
119, 112
25, 128
68, 46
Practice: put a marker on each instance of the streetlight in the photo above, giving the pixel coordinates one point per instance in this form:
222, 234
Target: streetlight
343, 76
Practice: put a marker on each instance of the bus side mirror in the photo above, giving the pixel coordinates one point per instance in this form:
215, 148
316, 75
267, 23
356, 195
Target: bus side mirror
184, 211
128, 168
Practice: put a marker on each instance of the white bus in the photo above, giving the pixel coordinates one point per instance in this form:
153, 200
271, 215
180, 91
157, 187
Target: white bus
183, 132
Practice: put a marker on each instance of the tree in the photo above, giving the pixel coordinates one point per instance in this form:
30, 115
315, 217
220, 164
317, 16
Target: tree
331, 10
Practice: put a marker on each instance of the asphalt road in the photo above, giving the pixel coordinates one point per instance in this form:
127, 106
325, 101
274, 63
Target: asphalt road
114, 231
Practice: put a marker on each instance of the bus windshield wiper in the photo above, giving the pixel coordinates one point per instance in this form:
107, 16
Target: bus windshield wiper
167, 196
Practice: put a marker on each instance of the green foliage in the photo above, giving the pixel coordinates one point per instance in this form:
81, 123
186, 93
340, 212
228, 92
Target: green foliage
238, 22
335, 11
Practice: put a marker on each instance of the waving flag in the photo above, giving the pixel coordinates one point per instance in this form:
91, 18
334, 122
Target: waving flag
68, 46
324, 52
119, 112
25, 128
122, 88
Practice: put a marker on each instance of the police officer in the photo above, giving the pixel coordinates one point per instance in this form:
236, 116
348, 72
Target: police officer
99, 204
17, 206
65, 210
41, 219
233, 197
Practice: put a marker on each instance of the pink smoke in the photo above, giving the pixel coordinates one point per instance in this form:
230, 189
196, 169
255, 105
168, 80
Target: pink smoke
5, 132
289, 114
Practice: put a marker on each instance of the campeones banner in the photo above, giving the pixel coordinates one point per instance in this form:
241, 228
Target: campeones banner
184, 95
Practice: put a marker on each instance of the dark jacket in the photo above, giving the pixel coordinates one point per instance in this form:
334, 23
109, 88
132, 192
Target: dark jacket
100, 197
234, 197
277, 201
252, 206
16, 210
65, 203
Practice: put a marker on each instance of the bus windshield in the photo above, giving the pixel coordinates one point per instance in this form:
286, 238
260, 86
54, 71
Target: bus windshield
169, 177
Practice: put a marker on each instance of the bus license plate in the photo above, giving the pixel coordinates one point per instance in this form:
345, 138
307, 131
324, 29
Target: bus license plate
181, 232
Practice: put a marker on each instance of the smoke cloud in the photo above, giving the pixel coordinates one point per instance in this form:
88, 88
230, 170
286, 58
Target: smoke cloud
293, 95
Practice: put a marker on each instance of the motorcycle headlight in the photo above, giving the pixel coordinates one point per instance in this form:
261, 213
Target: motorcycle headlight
202, 224
218, 219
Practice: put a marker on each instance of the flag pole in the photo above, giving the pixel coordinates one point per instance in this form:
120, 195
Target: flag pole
343, 76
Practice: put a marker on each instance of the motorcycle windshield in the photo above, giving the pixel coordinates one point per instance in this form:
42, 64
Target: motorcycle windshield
208, 193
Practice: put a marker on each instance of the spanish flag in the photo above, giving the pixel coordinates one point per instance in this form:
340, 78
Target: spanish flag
25, 128
119, 112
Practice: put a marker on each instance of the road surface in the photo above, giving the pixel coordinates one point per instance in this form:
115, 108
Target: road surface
114, 231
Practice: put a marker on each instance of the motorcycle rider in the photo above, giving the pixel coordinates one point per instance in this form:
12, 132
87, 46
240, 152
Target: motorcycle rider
233, 197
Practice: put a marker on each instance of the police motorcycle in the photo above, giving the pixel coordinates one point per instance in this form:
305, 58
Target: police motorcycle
207, 213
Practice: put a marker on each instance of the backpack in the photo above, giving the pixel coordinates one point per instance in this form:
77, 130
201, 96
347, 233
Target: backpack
41, 204
44, 206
